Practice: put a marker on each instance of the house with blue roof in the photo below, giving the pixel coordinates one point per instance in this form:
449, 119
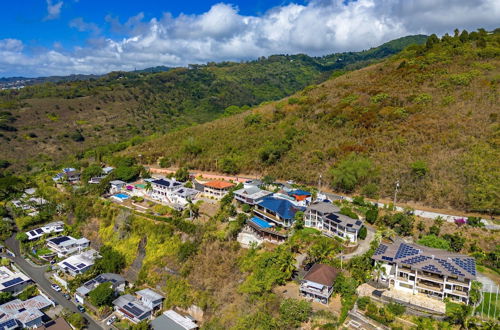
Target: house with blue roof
277, 210
418, 269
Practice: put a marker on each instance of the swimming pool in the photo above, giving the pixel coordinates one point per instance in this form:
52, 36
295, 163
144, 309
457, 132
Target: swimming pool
121, 196
261, 223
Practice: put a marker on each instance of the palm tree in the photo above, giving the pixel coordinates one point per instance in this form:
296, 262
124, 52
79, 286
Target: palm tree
389, 233
378, 270
148, 186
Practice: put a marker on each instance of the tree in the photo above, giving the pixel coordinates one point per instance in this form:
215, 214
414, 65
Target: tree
126, 173
461, 316
22, 237
351, 172
148, 186
293, 312
456, 241
229, 165
102, 295
419, 168
475, 292
378, 270
5, 297
372, 215
91, 171
362, 233
299, 220
111, 261
182, 174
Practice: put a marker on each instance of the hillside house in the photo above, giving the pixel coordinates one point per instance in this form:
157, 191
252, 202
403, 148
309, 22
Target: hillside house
162, 189
325, 217
13, 281
250, 194
23, 313
140, 307
117, 282
50, 228
318, 283
277, 210
266, 231
79, 263
116, 186
416, 269
171, 320
67, 245
216, 189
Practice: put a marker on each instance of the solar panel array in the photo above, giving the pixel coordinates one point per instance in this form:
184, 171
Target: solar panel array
414, 260
8, 324
133, 309
380, 250
406, 251
12, 282
450, 267
80, 266
431, 268
468, 264
387, 258
39, 231
69, 266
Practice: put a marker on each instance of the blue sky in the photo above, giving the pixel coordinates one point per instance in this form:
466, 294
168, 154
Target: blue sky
53, 37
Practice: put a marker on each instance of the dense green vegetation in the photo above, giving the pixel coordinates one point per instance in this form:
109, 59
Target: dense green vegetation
48, 122
427, 117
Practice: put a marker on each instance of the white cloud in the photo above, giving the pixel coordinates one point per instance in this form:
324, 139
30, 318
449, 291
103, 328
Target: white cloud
82, 26
53, 9
320, 27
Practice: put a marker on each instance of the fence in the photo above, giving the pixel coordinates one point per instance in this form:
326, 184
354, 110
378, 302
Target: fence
489, 308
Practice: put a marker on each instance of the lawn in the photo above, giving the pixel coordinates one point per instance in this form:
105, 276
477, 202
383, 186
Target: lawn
451, 307
490, 305
43, 251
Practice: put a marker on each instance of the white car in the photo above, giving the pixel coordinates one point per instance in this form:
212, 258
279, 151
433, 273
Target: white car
111, 320
56, 287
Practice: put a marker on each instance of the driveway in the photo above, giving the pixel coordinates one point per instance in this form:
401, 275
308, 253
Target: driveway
363, 246
37, 274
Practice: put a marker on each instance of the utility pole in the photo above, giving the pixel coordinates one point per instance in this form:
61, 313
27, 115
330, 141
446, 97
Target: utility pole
396, 193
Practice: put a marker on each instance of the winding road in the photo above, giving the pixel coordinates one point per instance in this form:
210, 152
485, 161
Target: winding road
37, 274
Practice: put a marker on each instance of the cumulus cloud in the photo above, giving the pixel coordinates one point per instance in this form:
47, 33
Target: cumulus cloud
222, 33
82, 26
53, 9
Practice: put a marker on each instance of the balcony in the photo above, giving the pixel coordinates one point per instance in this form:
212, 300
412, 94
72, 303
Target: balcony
429, 277
427, 286
271, 217
457, 282
322, 293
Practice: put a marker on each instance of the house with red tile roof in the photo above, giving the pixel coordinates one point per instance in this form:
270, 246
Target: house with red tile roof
216, 188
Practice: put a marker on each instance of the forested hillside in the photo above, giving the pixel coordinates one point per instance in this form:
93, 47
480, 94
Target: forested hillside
427, 117
47, 122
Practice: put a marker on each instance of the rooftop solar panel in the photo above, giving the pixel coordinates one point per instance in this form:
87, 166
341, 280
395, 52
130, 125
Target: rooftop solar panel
69, 265
80, 266
39, 231
12, 282
133, 309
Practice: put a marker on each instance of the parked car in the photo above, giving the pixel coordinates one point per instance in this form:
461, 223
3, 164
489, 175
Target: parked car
81, 308
67, 296
111, 320
53, 262
56, 287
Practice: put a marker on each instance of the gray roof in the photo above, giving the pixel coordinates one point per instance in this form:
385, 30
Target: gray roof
427, 259
252, 192
117, 182
171, 320
90, 285
345, 221
323, 207
149, 294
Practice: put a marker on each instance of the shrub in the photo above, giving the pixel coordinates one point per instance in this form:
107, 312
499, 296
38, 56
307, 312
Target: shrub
396, 309
475, 222
246, 208
77, 320
434, 242
252, 119
351, 171
102, 295
363, 302
372, 215
293, 312
370, 190
348, 212
362, 233
419, 168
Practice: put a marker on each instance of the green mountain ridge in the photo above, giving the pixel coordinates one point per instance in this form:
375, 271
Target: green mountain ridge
427, 117
43, 124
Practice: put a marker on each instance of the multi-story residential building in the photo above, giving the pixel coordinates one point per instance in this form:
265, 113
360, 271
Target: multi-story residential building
79, 263
277, 210
318, 283
251, 194
140, 307
53, 227
419, 269
24, 314
162, 189
326, 217
216, 189
67, 245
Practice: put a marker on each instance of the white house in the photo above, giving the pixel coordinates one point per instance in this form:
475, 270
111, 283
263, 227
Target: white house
79, 263
416, 269
162, 189
12, 281
67, 245
53, 227
140, 307
116, 186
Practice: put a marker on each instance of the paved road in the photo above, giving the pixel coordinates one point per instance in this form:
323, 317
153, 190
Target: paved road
364, 245
37, 274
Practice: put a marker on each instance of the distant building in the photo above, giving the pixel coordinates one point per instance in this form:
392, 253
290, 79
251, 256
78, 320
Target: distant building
419, 269
53, 227
67, 245
116, 281
217, 189
24, 314
326, 217
140, 307
13, 281
171, 320
250, 194
277, 210
79, 263
318, 283
116, 186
